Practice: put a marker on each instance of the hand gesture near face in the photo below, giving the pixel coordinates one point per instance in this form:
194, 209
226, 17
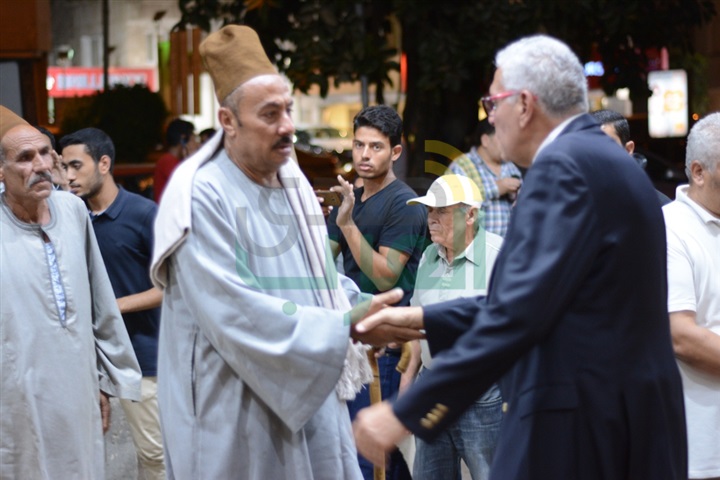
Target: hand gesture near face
345, 209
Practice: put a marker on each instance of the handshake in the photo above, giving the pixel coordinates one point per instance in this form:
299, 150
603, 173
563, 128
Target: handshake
375, 322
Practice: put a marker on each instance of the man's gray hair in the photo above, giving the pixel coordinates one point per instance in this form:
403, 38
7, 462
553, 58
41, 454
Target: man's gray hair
549, 69
703, 144
464, 208
232, 101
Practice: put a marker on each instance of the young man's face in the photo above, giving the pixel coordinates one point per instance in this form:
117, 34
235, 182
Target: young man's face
372, 153
83, 174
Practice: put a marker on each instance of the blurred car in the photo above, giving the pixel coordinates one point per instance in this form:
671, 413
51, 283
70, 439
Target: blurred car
327, 138
322, 168
323, 154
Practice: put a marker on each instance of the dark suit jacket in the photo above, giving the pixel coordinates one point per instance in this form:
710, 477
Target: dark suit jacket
575, 326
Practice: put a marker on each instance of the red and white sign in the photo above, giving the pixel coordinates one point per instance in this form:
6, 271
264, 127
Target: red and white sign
82, 81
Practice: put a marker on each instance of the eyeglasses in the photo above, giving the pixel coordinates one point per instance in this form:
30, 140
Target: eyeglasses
490, 102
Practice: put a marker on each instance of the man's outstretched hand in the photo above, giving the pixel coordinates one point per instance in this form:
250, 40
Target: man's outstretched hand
375, 322
377, 432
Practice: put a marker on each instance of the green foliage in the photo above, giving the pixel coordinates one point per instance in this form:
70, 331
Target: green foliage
316, 41
450, 46
311, 41
132, 116
696, 65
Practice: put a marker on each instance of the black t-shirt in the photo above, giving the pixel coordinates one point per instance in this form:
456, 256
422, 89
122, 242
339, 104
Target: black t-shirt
385, 220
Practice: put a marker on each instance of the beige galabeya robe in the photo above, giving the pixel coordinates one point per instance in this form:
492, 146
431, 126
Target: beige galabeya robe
52, 370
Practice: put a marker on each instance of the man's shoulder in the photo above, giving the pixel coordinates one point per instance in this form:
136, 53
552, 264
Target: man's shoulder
673, 208
397, 186
393, 198
416, 214
167, 159
493, 240
214, 170
430, 252
138, 202
400, 192
66, 201
582, 132
132, 208
681, 217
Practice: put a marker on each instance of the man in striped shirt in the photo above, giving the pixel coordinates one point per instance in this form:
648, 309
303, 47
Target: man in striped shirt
500, 180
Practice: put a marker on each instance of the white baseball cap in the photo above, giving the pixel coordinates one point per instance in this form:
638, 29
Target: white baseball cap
450, 190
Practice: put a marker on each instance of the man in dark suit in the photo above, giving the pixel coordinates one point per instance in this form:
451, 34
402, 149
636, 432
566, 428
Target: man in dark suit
574, 323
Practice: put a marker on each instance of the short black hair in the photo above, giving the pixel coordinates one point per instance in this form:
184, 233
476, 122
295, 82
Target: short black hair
382, 118
48, 134
208, 133
619, 123
484, 127
97, 143
178, 131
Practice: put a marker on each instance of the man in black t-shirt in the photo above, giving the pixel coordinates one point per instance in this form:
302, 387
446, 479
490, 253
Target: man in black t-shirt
381, 238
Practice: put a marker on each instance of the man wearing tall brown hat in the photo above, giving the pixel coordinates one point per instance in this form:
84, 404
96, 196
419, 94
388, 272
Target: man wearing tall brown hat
255, 361
64, 345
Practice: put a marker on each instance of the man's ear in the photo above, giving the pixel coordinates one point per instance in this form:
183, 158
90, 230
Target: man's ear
228, 121
484, 140
630, 147
471, 215
696, 173
528, 103
396, 152
104, 164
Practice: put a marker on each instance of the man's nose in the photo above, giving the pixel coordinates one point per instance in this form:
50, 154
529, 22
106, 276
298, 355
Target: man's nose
287, 127
42, 163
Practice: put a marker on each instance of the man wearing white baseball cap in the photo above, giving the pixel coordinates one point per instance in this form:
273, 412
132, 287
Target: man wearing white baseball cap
457, 264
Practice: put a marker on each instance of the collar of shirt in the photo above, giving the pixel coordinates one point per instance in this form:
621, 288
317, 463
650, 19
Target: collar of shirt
475, 157
681, 196
554, 134
115, 207
467, 254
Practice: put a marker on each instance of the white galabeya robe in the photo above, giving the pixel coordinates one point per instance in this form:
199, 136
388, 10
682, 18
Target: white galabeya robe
248, 360
52, 370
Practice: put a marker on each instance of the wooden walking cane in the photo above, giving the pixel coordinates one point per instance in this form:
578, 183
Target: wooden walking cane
375, 397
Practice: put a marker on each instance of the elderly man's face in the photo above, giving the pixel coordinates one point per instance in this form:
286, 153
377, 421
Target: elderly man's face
27, 165
447, 226
261, 140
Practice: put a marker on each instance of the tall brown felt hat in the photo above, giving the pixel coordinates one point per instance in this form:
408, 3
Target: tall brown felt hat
8, 120
233, 55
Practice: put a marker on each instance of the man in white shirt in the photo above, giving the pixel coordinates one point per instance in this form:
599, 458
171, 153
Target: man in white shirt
693, 236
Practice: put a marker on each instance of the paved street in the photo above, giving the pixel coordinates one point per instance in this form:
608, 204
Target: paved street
120, 460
